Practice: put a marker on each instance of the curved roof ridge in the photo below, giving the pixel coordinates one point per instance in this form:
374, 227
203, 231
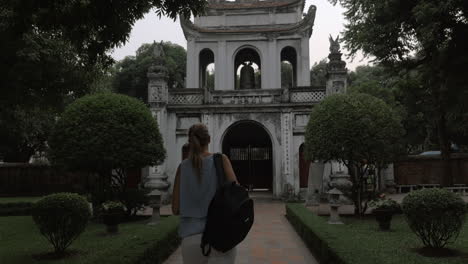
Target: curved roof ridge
252, 5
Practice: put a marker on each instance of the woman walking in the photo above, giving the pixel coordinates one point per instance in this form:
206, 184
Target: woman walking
195, 185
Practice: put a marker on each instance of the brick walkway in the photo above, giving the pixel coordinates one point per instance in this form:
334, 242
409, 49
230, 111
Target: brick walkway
272, 240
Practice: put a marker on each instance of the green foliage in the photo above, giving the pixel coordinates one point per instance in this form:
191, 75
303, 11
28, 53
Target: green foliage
113, 206
130, 73
53, 52
352, 128
425, 36
333, 244
318, 73
102, 132
385, 204
135, 243
436, 216
358, 130
23, 132
134, 200
286, 75
15, 208
61, 218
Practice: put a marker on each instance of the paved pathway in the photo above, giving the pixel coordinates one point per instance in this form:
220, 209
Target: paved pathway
271, 240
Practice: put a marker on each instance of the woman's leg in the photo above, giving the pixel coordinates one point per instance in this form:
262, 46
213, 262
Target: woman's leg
223, 258
191, 251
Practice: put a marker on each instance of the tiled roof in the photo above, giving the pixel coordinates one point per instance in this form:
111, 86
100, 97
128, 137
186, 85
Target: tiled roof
259, 4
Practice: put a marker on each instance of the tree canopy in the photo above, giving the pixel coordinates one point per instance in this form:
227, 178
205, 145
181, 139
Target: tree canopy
52, 52
318, 73
129, 75
423, 35
102, 132
357, 130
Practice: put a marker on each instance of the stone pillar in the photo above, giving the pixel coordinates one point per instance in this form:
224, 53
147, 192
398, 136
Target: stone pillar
221, 71
192, 67
156, 179
303, 75
337, 74
271, 66
286, 143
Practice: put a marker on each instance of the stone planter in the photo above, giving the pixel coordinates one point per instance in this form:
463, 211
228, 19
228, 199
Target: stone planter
112, 221
384, 218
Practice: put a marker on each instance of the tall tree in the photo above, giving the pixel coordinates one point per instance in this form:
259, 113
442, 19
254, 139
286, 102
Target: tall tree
130, 73
318, 73
52, 51
427, 35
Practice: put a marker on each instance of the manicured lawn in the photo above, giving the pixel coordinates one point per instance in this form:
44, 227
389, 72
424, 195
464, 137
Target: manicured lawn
19, 199
360, 241
20, 240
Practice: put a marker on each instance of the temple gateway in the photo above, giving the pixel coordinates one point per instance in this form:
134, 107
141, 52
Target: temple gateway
254, 117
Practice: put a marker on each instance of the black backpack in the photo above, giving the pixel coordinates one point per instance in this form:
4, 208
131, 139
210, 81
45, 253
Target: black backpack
230, 214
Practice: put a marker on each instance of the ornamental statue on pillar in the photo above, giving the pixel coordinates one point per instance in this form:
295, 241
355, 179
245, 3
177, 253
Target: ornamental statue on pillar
157, 98
157, 77
337, 74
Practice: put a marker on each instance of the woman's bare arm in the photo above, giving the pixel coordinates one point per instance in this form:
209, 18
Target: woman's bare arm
176, 193
228, 171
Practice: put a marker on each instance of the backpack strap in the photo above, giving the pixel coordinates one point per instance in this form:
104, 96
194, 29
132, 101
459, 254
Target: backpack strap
218, 162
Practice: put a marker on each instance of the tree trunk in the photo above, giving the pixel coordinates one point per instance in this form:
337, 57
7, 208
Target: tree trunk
444, 144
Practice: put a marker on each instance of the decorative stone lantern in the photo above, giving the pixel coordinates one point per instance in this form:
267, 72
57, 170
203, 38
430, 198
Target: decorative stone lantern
335, 203
159, 185
341, 181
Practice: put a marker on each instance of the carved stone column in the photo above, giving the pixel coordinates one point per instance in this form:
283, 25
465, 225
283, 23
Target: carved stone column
337, 74
157, 99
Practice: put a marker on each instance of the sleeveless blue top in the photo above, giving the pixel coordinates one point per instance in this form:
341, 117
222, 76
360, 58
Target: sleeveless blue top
196, 195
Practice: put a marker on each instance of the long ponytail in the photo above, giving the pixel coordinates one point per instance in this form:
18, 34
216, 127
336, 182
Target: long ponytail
198, 139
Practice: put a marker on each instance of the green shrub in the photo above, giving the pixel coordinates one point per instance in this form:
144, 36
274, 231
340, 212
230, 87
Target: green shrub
435, 215
15, 208
134, 200
107, 134
61, 218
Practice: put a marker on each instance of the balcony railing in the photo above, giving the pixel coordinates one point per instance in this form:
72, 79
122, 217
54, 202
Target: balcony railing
188, 96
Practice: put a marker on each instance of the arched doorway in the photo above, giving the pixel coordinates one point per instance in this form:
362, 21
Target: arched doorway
249, 148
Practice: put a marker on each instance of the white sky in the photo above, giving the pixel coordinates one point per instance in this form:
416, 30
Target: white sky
329, 20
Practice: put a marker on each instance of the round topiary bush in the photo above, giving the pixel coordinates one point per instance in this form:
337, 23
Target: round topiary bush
61, 218
106, 131
435, 215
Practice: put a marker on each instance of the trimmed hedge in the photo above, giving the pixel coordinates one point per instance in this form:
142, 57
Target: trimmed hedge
16, 208
304, 222
135, 243
360, 241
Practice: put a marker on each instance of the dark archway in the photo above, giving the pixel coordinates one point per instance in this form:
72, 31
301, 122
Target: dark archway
248, 56
288, 67
303, 168
249, 148
207, 69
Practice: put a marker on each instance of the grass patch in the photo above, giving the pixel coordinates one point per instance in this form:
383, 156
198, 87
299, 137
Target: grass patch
360, 241
21, 242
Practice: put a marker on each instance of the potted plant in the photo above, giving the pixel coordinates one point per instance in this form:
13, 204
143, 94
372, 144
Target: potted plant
112, 213
384, 209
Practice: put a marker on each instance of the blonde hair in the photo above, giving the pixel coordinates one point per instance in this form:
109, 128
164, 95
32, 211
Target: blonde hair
198, 138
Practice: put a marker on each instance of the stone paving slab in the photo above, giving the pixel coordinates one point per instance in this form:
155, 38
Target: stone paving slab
272, 240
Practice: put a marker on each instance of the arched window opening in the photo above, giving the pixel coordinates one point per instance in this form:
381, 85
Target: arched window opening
288, 67
207, 69
247, 70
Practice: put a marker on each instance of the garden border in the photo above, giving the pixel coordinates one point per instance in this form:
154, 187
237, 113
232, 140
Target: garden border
314, 241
